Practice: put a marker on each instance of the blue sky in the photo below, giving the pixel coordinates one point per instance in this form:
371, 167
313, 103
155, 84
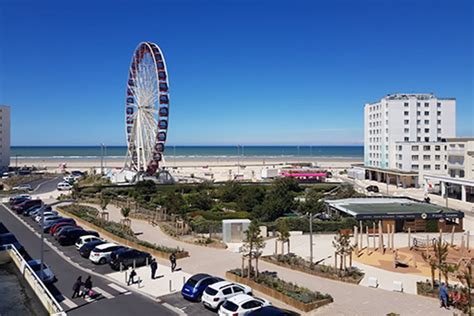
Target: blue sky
241, 72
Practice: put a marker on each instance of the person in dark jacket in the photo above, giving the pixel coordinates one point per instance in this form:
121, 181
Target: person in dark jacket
173, 261
77, 287
87, 286
131, 279
153, 267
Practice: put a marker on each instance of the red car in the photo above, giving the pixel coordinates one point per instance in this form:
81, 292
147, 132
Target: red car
55, 227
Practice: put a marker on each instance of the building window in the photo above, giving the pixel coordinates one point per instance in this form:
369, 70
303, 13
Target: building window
426, 157
418, 104
406, 139
418, 113
418, 121
426, 167
406, 130
427, 104
427, 139
427, 121
414, 167
437, 157
426, 147
439, 130
405, 113
414, 157
427, 130
439, 113
406, 104
406, 122
461, 173
418, 130
437, 167
439, 121
427, 112
418, 139
437, 147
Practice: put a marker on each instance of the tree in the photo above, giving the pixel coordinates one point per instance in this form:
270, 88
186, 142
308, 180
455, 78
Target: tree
104, 201
125, 211
342, 244
440, 250
283, 235
313, 203
465, 276
252, 247
200, 200
230, 192
173, 203
278, 200
431, 260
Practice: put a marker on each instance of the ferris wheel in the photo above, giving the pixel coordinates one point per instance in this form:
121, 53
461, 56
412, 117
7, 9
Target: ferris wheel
147, 109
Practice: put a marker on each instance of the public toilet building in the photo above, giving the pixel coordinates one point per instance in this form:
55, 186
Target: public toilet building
403, 213
233, 230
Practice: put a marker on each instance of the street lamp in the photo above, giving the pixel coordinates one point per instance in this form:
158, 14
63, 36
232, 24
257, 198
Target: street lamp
42, 240
310, 238
446, 192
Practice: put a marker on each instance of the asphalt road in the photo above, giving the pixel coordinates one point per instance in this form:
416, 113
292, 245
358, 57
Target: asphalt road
115, 299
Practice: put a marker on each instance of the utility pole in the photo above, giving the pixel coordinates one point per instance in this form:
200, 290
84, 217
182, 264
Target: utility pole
42, 241
311, 238
102, 159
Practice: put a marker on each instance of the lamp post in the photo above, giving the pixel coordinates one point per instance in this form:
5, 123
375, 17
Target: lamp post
446, 193
102, 159
42, 240
310, 238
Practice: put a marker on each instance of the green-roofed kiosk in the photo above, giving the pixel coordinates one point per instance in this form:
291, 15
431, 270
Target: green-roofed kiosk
402, 212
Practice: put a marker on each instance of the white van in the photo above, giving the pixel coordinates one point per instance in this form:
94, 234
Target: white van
64, 186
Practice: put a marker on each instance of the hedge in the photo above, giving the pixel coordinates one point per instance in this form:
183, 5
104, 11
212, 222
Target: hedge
302, 224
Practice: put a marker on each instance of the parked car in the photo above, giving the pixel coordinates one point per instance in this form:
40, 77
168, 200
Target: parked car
18, 199
372, 188
63, 229
70, 237
101, 254
53, 220
216, 294
64, 186
47, 276
77, 173
9, 238
195, 286
242, 304
65, 222
69, 179
85, 250
23, 187
40, 209
45, 215
81, 241
127, 257
49, 220
272, 311
20, 207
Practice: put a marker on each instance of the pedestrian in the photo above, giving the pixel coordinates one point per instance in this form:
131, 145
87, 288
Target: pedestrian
443, 296
87, 286
154, 267
77, 287
131, 279
173, 261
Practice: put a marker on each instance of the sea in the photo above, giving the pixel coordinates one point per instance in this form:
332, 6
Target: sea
94, 152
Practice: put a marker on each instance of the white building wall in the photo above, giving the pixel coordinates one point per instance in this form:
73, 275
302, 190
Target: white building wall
4, 136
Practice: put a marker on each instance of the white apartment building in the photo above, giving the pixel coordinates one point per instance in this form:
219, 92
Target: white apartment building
404, 137
4, 136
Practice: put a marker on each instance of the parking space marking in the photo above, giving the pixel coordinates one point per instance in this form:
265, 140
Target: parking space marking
117, 288
106, 294
67, 302
175, 309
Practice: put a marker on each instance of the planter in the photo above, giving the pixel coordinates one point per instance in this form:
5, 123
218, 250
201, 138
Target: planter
126, 242
310, 271
305, 307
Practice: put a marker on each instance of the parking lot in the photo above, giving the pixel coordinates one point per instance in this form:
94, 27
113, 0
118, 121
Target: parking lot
188, 307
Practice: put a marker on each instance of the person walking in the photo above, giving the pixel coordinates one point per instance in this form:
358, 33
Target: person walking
443, 296
77, 287
131, 279
173, 261
154, 267
87, 286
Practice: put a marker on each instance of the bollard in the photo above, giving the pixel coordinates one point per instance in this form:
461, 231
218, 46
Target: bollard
126, 278
134, 264
170, 286
146, 260
184, 280
139, 281
121, 267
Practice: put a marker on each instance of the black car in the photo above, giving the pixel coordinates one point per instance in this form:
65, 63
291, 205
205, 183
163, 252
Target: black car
35, 208
70, 237
372, 188
64, 229
127, 257
86, 249
48, 226
272, 311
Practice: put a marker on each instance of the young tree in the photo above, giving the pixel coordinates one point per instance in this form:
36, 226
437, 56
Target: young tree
465, 276
342, 244
432, 262
283, 235
253, 245
440, 250
104, 201
125, 211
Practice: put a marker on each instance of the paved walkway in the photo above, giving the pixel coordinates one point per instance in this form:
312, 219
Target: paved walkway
348, 299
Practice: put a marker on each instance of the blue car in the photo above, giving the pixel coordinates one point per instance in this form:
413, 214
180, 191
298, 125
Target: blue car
272, 311
195, 286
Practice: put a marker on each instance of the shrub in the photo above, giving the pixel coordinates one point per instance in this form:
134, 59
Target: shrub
432, 226
302, 224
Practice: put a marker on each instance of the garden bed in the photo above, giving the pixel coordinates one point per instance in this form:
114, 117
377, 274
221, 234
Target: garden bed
293, 262
299, 297
87, 215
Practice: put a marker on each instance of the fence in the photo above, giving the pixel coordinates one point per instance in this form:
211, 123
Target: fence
44, 295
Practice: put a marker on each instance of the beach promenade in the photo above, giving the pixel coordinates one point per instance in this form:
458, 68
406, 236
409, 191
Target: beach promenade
348, 299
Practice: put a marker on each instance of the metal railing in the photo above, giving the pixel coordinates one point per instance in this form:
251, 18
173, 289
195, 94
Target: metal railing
44, 295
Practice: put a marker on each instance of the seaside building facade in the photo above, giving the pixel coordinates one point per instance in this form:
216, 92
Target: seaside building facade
405, 137
4, 137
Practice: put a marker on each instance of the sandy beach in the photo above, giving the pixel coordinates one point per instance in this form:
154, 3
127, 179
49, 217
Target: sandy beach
212, 168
